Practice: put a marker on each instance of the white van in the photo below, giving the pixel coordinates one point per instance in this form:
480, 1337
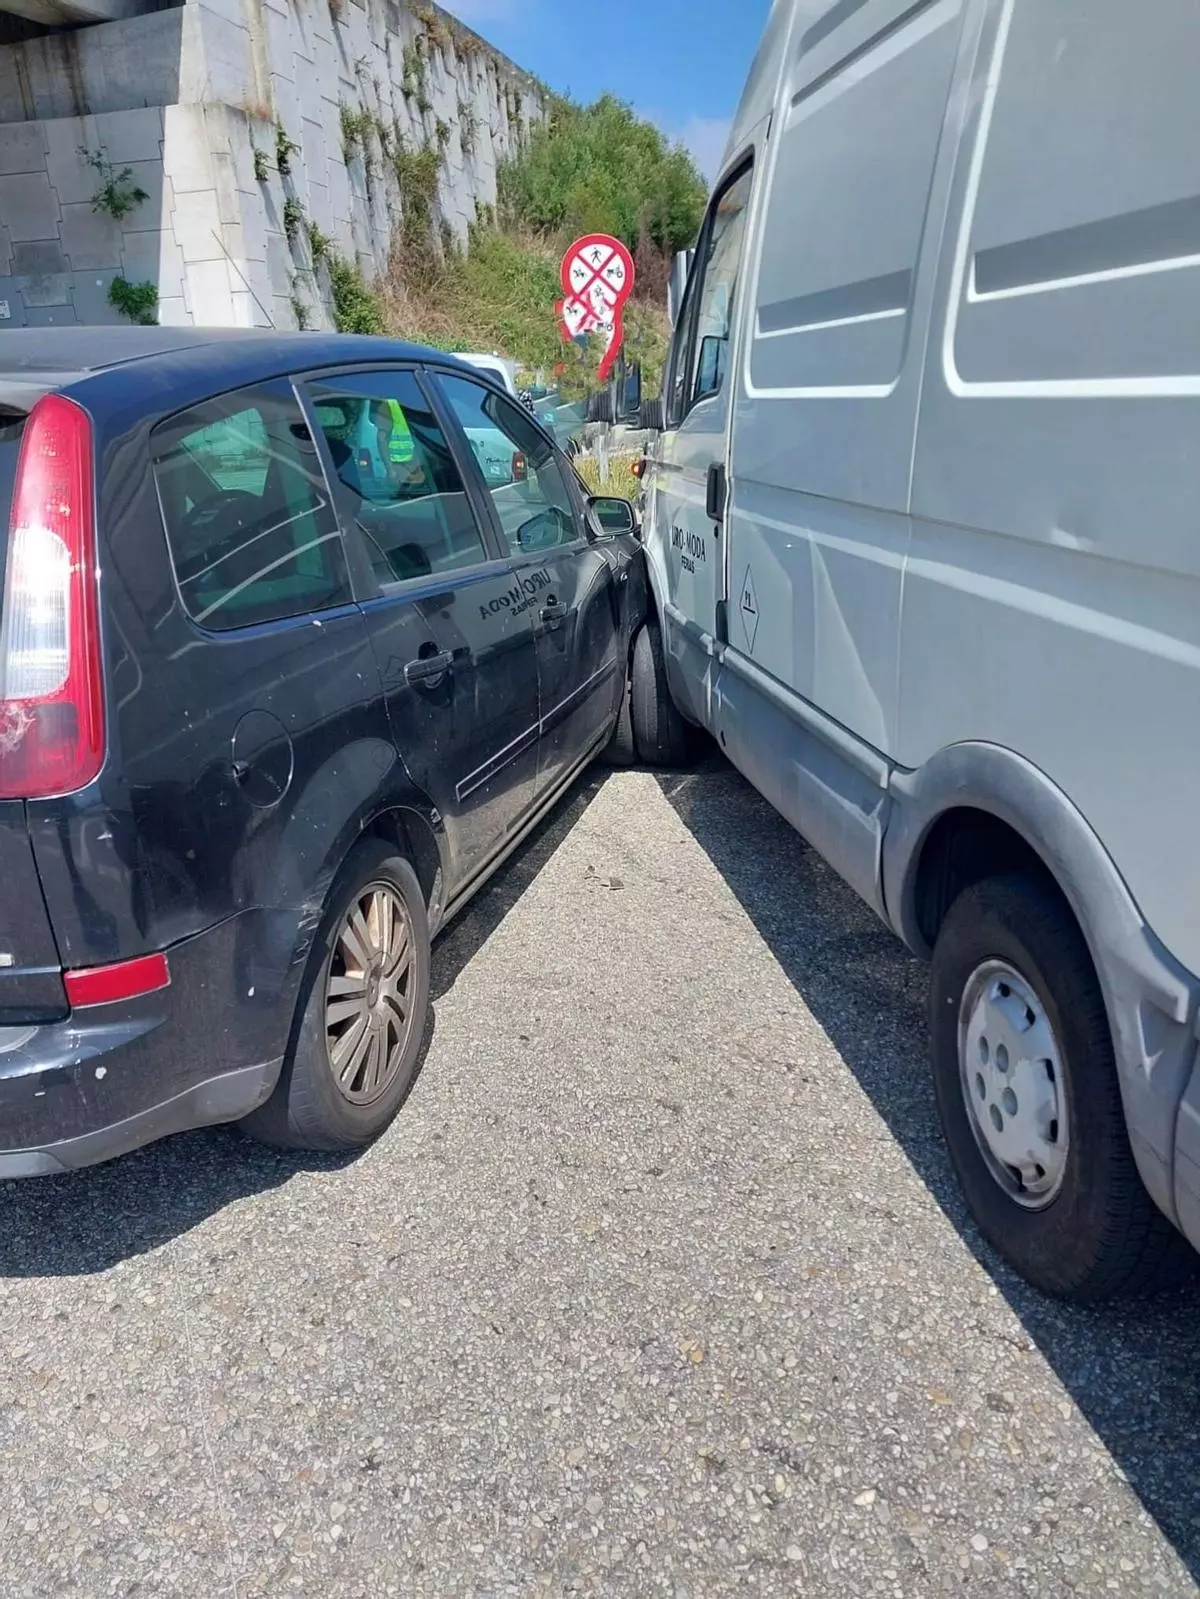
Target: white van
924, 537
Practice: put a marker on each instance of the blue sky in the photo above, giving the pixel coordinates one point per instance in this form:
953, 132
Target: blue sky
681, 63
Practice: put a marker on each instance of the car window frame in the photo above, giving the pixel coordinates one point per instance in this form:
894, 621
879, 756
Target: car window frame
365, 580
282, 384
584, 535
684, 349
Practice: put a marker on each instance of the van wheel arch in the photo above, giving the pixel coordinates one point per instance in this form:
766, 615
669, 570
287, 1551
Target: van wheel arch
998, 812
962, 847
988, 798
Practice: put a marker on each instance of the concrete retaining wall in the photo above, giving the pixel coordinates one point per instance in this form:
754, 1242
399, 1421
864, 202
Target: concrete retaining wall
197, 102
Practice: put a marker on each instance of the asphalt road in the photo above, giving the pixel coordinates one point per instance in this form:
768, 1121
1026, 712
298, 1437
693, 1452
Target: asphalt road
660, 1285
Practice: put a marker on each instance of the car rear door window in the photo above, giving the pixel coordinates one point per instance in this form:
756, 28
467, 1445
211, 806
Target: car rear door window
403, 486
527, 484
250, 524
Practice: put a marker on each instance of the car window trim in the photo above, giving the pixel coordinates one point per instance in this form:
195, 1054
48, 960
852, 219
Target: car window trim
368, 587
331, 611
564, 467
464, 455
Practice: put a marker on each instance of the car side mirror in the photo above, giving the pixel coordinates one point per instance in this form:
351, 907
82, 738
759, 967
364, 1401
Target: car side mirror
613, 515
652, 418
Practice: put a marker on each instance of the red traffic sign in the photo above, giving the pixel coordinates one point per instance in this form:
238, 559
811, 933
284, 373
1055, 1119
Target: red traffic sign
597, 280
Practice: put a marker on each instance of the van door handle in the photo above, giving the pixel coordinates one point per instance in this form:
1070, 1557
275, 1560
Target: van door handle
553, 613
715, 492
426, 667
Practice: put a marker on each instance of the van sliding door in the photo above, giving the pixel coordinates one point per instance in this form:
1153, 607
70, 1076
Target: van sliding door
840, 286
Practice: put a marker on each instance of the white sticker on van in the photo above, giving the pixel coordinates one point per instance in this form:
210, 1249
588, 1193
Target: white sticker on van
748, 605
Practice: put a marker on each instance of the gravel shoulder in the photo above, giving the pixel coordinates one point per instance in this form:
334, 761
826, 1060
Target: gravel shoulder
660, 1285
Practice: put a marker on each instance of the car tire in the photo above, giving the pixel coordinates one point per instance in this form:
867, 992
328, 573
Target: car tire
620, 749
1011, 966
351, 1006
661, 735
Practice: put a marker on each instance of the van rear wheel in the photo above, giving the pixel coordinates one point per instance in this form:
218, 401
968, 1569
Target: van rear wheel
661, 735
361, 1014
1029, 1099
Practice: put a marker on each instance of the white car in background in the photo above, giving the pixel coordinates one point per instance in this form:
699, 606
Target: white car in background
504, 372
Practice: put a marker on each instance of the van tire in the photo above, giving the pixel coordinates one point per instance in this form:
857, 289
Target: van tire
307, 1110
1101, 1235
661, 736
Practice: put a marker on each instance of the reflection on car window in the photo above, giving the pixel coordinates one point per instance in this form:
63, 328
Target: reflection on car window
252, 533
408, 496
519, 465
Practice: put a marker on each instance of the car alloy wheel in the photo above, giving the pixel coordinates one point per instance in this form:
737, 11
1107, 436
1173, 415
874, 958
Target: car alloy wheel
369, 1011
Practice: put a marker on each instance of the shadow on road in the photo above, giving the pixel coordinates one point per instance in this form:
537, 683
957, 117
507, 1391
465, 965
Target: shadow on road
471, 930
1134, 1370
90, 1220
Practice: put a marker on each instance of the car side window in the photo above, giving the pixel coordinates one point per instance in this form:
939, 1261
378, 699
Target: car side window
251, 529
718, 264
524, 478
407, 495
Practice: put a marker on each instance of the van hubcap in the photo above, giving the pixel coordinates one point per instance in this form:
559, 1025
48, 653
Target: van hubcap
1012, 1081
368, 994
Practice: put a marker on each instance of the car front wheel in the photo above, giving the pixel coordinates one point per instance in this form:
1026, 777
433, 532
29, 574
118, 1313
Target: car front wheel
661, 735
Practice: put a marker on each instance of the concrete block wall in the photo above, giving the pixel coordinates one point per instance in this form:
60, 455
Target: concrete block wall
227, 79
58, 255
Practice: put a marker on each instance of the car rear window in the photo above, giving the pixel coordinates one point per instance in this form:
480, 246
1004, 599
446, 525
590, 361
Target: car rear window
252, 531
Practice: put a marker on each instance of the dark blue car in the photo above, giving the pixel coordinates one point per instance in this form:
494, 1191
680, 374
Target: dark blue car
264, 727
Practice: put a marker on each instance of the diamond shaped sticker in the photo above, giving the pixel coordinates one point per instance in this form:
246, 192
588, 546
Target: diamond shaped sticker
748, 606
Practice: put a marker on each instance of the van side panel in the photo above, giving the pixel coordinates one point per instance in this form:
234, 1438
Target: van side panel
817, 777
1052, 598
833, 336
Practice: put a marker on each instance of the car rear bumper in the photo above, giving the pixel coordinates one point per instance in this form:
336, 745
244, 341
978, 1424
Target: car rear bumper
110, 1077
221, 1099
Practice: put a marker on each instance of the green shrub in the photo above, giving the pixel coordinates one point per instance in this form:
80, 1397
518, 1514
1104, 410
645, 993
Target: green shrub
299, 310
138, 302
355, 308
417, 176
117, 195
601, 169
293, 218
468, 126
414, 71
356, 132
285, 149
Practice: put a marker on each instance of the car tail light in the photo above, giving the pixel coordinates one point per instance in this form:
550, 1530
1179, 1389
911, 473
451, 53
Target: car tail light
51, 683
101, 985
520, 468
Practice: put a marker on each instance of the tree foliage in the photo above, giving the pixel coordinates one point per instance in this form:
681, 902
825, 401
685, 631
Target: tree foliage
601, 169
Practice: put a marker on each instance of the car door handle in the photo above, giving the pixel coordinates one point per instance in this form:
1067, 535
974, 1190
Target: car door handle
426, 667
553, 613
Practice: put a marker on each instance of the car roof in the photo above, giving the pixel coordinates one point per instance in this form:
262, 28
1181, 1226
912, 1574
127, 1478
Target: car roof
66, 352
